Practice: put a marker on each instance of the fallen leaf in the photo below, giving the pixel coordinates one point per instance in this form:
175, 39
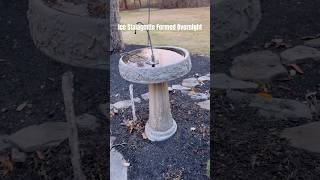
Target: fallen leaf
144, 136
40, 155
22, 106
297, 68
7, 164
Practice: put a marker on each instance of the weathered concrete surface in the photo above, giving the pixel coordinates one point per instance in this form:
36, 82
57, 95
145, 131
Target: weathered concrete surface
204, 78
161, 124
38, 137
233, 21
3, 144
272, 108
299, 54
117, 170
223, 81
190, 82
261, 66
87, 121
18, 156
124, 104
315, 43
239, 97
304, 137
68, 38
280, 109
198, 96
204, 104
159, 73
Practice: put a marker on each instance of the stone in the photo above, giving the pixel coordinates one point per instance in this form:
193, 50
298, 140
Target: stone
87, 121
3, 144
117, 169
18, 156
204, 104
233, 21
124, 104
204, 78
223, 81
304, 137
38, 137
199, 96
240, 97
181, 88
190, 82
315, 43
145, 96
280, 109
299, 54
261, 66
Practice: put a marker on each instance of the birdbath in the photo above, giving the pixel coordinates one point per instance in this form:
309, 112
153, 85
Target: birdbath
171, 63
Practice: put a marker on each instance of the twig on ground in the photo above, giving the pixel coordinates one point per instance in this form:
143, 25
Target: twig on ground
67, 90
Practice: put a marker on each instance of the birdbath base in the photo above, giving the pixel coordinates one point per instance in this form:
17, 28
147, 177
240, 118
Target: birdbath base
172, 63
160, 125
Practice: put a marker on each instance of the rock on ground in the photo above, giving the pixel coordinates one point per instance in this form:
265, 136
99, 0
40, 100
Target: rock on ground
38, 137
304, 137
18, 156
276, 109
204, 104
3, 144
145, 96
313, 43
240, 97
261, 66
117, 169
190, 82
223, 81
204, 78
299, 54
179, 87
124, 104
198, 96
87, 121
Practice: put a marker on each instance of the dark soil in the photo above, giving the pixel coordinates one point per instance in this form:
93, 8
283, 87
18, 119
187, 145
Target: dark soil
183, 156
28, 75
244, 146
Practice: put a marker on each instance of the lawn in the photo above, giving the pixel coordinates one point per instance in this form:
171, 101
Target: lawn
196, 42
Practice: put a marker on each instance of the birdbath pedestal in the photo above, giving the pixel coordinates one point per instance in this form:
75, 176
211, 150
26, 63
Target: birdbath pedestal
172, 63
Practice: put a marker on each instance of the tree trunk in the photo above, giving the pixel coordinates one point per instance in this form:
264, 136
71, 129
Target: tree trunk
116, 42
125, 4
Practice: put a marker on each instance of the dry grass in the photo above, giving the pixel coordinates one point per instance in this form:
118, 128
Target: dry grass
196, 42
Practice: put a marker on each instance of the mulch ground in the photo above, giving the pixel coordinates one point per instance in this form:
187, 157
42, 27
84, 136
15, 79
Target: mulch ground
244, 146
184, 155
28, 75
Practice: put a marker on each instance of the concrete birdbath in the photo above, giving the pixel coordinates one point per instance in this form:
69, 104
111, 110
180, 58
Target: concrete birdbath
169, 63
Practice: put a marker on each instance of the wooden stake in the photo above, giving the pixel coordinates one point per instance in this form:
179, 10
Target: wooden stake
67, 90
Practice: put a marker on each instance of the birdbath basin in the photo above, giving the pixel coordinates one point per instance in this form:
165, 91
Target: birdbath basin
172, 63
